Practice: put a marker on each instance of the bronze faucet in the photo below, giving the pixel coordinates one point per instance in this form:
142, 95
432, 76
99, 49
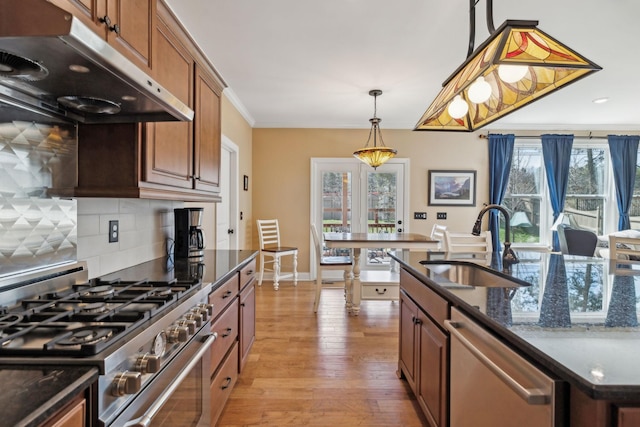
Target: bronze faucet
508, 256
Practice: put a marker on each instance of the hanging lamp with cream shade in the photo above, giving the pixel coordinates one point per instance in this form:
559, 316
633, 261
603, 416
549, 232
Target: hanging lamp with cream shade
375, 155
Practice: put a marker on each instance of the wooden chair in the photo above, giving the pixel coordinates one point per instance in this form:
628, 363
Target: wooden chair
269, 233
328, 263
437, 233
624, 252
467, 242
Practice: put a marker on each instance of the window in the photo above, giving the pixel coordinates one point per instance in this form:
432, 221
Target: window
527, 195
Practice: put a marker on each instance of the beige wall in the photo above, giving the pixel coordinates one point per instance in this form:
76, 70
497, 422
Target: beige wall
281, 175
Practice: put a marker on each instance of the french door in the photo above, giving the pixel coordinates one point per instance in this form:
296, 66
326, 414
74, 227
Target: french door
349, 196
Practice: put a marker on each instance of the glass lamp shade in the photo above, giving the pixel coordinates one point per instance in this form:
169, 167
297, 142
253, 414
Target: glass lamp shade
549, 65
375, 156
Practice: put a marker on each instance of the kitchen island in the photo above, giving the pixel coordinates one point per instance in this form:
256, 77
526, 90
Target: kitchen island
575, 318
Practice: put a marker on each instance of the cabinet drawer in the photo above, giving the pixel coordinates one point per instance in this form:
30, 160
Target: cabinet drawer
433, 304
223, 383
227, 328
381, 291
224, 295
247, 273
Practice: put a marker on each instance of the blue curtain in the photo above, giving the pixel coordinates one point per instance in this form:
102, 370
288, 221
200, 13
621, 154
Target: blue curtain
556, 151
500, 155
624, 153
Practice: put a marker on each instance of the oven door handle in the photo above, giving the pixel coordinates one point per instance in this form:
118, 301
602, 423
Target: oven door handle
146, 419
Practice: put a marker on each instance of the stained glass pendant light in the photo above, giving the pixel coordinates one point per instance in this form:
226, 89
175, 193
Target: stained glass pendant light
377, 154
515, 66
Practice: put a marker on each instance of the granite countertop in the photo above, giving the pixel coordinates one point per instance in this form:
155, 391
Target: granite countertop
213, 267
34, 393
577, 316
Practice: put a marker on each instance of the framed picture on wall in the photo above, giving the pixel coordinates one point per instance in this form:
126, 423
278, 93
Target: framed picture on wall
452, 188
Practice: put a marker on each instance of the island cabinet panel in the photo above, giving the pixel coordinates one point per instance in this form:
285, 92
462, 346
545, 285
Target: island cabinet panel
588, 412
127, 25
628, 417
424, 347
74, 414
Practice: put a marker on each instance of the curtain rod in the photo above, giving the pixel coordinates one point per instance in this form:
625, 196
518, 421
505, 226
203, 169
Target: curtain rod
486, 136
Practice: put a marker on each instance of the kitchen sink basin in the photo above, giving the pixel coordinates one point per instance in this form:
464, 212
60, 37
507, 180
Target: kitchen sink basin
463, 274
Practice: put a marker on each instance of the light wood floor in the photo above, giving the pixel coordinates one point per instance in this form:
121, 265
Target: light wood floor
329, 369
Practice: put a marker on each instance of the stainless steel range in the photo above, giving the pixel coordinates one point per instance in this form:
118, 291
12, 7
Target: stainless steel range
149, 339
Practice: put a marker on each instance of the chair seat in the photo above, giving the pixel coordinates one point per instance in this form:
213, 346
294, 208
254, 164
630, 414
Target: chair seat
335, 260
280, 249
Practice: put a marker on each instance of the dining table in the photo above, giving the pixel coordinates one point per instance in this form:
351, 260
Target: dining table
357, 241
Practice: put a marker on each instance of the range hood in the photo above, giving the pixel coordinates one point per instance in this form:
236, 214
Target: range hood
49, 60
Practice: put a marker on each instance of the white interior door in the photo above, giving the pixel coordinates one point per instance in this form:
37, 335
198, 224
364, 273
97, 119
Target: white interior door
349, 196
227, 209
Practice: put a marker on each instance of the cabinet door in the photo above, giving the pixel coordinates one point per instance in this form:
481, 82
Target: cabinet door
408, 350
432, 385
207, 132
169, 145
247, 322
72, 415
132, 23
88, 12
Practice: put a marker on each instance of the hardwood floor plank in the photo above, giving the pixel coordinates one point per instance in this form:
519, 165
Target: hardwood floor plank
324, 369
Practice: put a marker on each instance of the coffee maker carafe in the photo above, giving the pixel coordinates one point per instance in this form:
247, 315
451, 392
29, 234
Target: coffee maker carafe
189, 238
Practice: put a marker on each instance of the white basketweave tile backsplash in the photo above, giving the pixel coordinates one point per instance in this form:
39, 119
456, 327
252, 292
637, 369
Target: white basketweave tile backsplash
145, 226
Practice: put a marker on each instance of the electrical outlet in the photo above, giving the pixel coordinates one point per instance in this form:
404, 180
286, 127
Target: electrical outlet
419, 215
114, 231
441, 215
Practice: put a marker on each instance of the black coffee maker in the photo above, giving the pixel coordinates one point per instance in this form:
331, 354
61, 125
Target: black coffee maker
189, 238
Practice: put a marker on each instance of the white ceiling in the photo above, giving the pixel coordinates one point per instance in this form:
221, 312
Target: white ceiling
303, 64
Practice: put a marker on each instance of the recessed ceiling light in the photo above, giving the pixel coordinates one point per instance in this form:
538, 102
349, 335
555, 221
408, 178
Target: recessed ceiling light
600, 100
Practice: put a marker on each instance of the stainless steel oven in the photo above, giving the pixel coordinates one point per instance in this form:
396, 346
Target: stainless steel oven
149, 338
179, 395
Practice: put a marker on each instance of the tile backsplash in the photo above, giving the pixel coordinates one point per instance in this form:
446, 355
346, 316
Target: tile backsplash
38, 229
146, 232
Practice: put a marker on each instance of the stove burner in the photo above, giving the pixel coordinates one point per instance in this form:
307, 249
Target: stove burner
96, 307
10, 320
85, 335
100, 291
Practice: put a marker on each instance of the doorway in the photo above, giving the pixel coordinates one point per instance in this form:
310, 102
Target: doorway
227, 209
349, 196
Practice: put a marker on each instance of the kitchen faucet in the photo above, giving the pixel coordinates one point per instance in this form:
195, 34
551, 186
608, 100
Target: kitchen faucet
508, 256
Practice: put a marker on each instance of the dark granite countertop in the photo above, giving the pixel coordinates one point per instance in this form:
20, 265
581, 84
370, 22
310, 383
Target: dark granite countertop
578, 316
32, 394
214, 267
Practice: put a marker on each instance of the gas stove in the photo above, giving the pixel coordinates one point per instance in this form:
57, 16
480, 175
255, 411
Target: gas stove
130, 330
85, 319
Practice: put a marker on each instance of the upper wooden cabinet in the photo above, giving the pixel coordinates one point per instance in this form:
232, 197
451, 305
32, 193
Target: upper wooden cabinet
127, 25
163, 160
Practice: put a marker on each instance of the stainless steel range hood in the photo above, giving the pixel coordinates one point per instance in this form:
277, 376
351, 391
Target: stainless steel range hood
50, 60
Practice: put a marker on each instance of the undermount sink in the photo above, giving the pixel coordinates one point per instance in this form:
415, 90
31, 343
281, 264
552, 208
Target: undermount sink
461, 274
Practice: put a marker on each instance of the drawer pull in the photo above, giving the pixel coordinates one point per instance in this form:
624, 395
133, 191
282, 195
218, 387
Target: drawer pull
384, 291
227, 383
227, 294
227, 333
249, 272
